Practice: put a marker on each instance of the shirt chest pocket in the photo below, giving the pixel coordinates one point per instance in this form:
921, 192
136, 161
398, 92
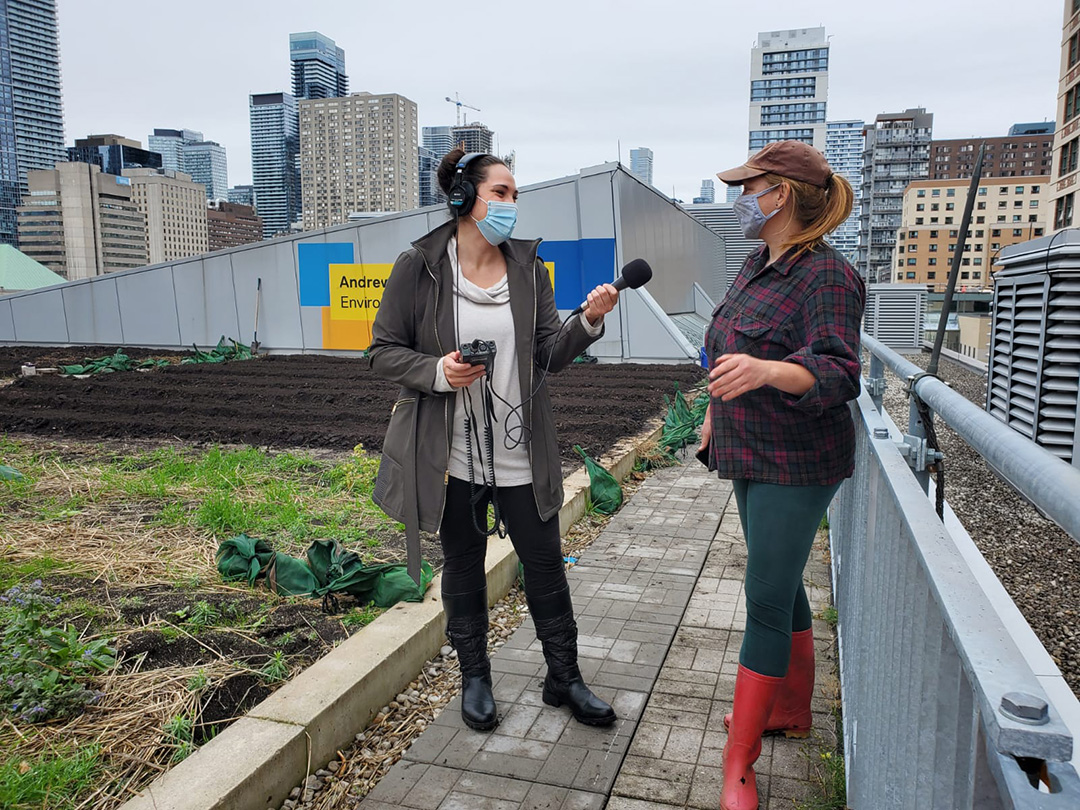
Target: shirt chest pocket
748, 335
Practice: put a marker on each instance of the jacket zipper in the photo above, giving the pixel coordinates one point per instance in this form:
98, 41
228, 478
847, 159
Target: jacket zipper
401, 402
532, 371
446, 408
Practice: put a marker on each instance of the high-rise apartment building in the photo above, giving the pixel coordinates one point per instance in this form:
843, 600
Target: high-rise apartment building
440, 140
243, 195
474, 137
789, 87
358, 153
170, 143
113, 153
187, 151
80, 222
1024, 155
844, 150
275, 160
641, 164
231, 225
896, 152
732, 193
318, 66
1007, 211
1067, 138
175, 210
707, 195
205, 161
31, 110
430, 192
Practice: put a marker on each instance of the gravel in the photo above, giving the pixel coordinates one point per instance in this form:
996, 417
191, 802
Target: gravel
1036, 561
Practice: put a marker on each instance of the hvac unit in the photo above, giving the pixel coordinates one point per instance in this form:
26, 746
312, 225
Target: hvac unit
1034, 372
894, 314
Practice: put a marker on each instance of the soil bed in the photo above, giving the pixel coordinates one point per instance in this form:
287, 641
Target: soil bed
309, 401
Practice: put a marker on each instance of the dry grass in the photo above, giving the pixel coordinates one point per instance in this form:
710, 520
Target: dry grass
129, 723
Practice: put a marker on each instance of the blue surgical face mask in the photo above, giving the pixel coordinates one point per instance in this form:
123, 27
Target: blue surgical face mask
498, 223
749, 213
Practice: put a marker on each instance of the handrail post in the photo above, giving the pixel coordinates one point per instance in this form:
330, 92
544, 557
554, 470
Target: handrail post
875, 384
917, 429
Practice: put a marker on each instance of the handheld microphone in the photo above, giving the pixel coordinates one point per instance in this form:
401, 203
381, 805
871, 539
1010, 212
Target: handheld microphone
635, 274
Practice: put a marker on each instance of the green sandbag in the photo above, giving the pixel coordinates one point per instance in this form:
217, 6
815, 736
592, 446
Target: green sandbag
248, 558
330, 569
339, 570
10, 473
604, 491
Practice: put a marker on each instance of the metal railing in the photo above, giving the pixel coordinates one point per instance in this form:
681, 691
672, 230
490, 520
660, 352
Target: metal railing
941, 705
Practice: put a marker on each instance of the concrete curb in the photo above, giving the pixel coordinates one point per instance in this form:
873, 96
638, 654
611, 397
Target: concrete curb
260, 758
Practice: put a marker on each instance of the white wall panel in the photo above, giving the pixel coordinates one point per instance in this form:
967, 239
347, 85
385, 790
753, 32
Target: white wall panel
148, 307
7, 321
93, 312
39, 318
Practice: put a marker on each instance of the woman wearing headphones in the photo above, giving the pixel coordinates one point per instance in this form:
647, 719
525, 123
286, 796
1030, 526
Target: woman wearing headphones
784, 351
464, 434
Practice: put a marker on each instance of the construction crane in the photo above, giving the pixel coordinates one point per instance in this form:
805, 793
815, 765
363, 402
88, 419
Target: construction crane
456, 100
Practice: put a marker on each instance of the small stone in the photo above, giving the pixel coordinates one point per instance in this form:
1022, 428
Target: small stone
394, 704
434, 698
384, 710
385, 745
290, 804
322, 773
308, 796
313, 782
333, 765
446, 650
294, 793
402, 698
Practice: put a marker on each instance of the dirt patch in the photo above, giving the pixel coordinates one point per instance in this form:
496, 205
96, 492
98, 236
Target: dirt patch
163, 626
12, 358
302, 401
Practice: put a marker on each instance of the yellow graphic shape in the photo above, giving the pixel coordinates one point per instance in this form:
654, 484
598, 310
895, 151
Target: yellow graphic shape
355, 294
551, 273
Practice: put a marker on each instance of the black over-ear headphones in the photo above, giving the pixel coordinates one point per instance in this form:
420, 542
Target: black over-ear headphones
462, 194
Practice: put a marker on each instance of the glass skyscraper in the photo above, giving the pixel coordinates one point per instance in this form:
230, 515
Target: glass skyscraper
205, 162
275, 163
318, 66
31, 112
170, 143
844, 142
641, 164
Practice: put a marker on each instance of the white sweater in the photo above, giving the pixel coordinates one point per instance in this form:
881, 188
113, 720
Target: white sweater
485, 314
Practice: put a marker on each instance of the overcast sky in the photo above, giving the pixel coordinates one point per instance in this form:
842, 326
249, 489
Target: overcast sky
560, 82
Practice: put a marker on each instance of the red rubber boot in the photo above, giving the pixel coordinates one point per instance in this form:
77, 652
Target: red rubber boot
791, 714
754, 698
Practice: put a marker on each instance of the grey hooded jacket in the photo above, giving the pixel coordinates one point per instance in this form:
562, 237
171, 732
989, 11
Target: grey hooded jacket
413, 331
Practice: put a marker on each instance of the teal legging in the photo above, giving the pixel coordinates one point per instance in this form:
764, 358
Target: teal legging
779, 523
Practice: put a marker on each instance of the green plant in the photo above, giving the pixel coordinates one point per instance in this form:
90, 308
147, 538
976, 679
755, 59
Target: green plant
276, 669
285, 639
824, 525
831, 615
54, 779
361, 617
828, 772
200, 616
198, 681
44, 670
180, 731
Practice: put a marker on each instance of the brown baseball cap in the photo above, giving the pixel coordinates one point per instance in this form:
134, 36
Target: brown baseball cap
793, 159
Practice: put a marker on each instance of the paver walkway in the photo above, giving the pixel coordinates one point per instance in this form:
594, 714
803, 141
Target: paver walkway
659, 605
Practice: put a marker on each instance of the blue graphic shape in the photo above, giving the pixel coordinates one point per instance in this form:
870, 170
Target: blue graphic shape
580, 266
314, 265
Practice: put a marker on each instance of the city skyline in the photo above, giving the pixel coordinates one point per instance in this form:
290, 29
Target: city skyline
693, 135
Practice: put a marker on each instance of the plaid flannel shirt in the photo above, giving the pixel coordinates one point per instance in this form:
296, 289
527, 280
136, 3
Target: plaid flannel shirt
808, 311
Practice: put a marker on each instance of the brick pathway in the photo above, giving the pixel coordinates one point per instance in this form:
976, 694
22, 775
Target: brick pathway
658, 598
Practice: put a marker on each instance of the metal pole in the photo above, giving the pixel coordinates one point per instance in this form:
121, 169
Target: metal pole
958, 254
877, 381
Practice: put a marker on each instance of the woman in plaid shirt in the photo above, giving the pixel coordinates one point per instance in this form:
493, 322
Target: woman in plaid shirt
784, 361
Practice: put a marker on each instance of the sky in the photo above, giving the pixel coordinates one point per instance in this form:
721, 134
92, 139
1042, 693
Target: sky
562, 83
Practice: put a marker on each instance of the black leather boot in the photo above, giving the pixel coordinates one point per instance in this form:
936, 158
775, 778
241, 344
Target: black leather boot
467, 628
553, 615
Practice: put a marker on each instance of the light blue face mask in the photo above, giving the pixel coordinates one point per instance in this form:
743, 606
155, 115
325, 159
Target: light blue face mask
498, 223
749, 213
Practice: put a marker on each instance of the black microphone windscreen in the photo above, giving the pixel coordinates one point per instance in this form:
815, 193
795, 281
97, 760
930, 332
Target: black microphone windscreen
637, 273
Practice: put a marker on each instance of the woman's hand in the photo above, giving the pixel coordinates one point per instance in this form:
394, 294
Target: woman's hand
459, 374
734, 374
706, 429
600, 302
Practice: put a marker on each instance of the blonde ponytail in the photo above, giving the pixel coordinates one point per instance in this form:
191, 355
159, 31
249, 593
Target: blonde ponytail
819, 211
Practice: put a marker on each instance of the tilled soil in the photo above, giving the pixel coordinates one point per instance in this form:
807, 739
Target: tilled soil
1036, 561
307, 401
12, 358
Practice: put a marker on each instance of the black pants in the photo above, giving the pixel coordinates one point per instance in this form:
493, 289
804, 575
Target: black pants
536, 542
